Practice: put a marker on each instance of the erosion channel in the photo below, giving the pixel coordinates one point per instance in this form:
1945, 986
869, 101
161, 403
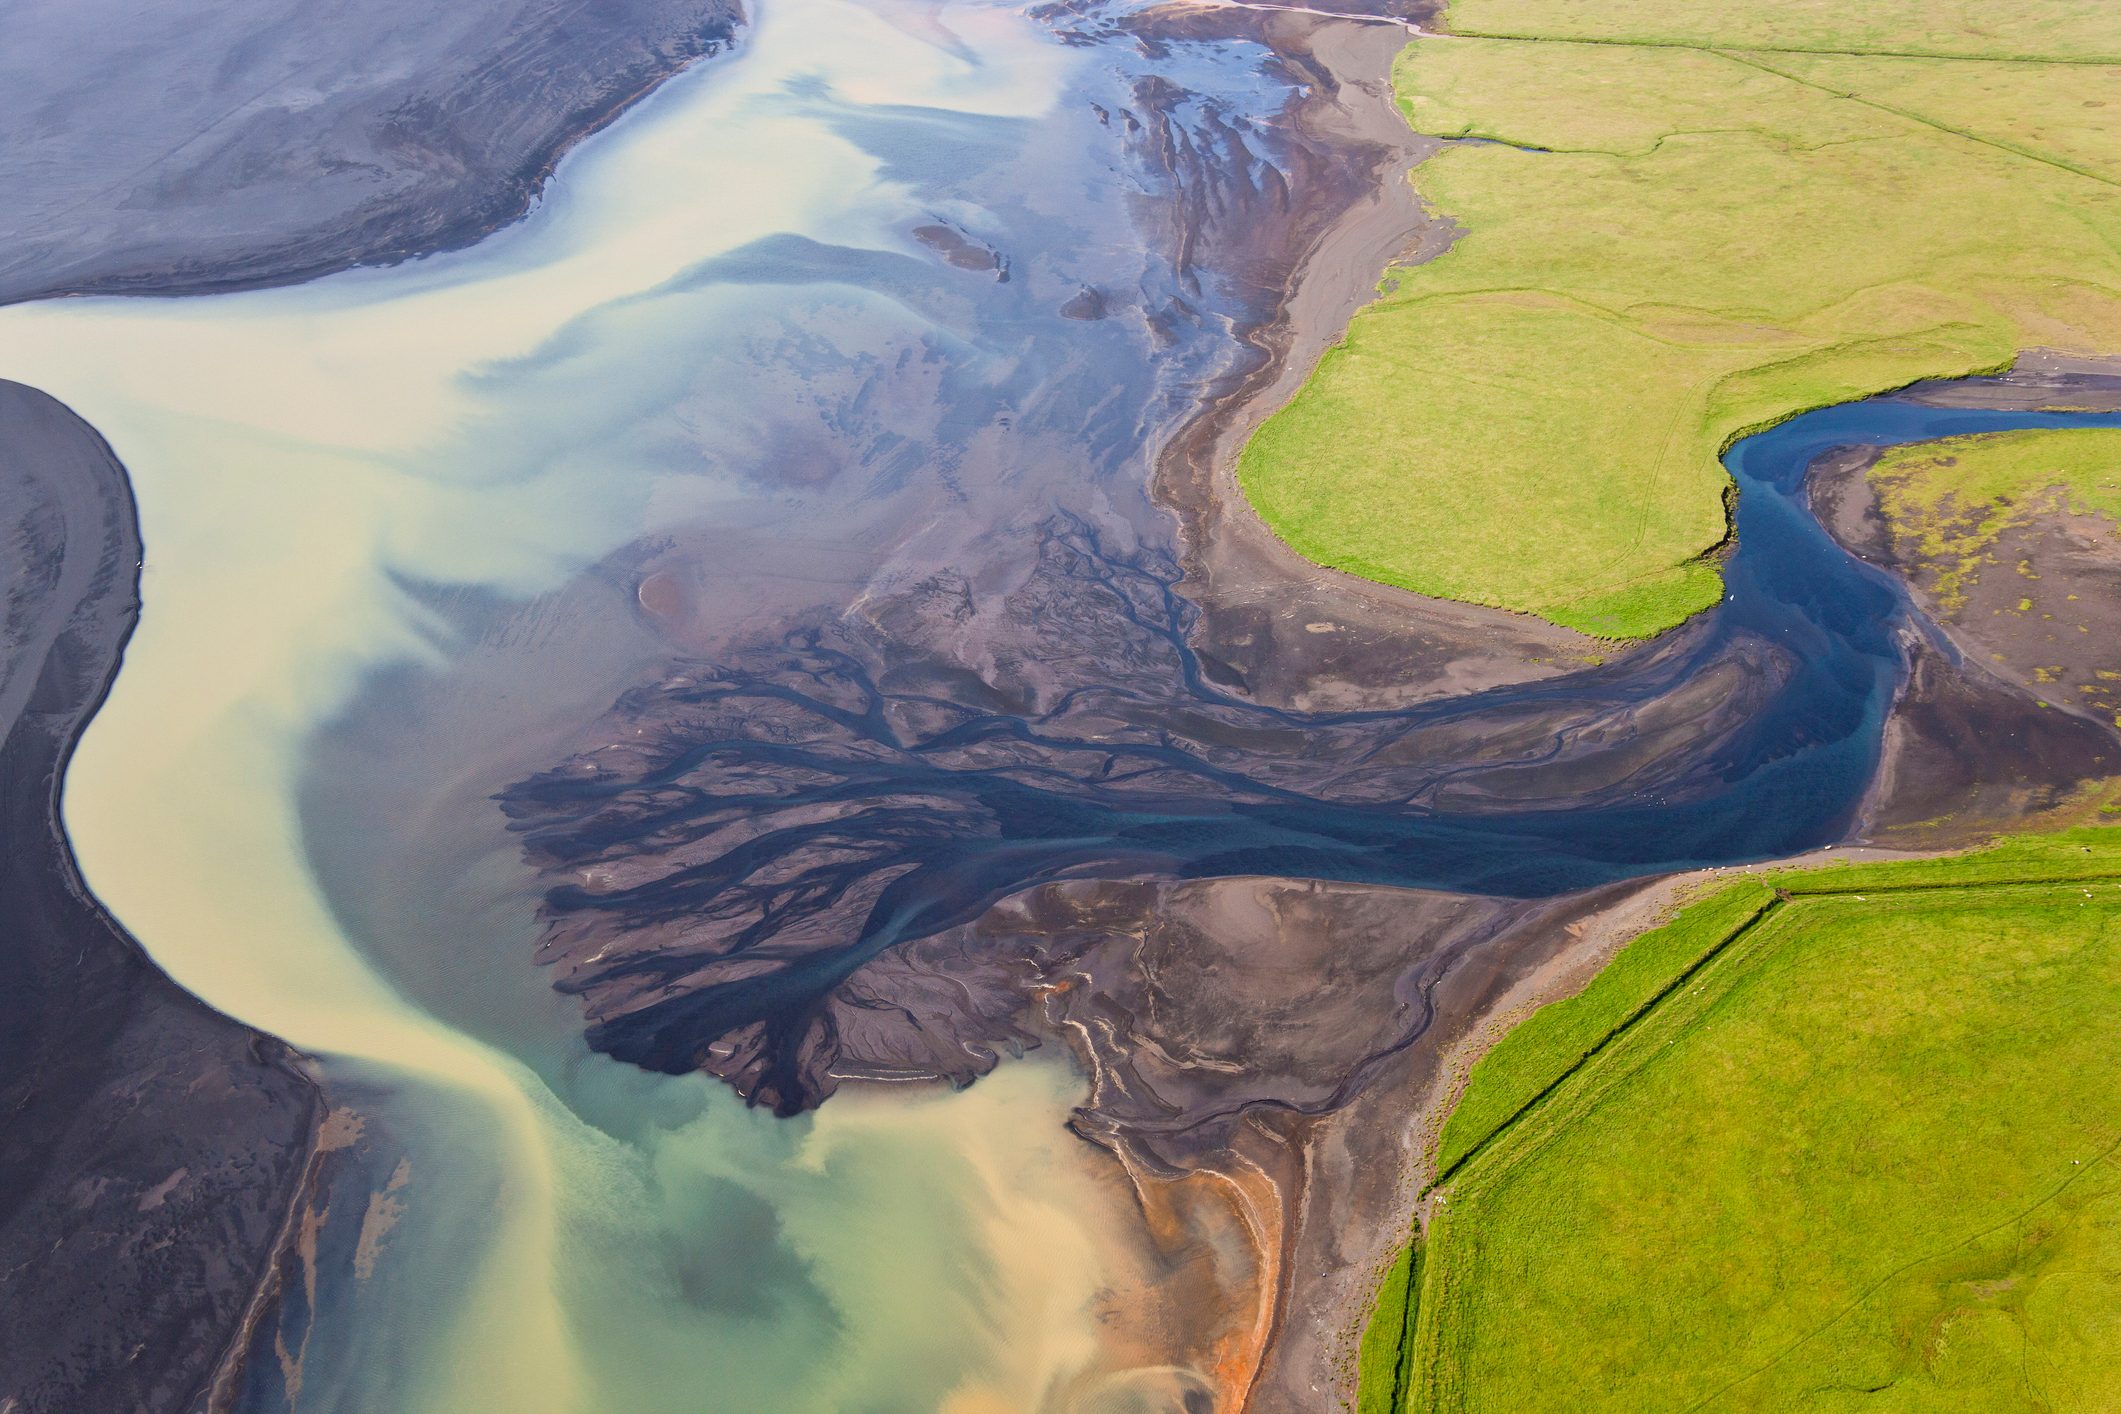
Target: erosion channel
722, 652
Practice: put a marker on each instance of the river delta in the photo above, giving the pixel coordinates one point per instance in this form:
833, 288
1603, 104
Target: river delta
739, 812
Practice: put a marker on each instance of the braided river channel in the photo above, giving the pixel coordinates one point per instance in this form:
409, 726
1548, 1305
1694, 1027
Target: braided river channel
753, 551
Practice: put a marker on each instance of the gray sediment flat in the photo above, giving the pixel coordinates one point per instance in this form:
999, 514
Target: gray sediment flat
187, 147
150, 1148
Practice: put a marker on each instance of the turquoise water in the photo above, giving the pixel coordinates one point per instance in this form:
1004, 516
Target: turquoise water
322, 472
396, 524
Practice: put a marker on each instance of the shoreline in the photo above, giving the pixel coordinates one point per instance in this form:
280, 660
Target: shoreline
1279, 628
178, 1236
1935, 697
455, 139
1330, 641
1586, 930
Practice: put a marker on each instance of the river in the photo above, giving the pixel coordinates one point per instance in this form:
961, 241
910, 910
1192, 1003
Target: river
875, 295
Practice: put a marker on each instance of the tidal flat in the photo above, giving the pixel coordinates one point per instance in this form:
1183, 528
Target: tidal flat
405, 611
153, 1148
817, 857
275, 142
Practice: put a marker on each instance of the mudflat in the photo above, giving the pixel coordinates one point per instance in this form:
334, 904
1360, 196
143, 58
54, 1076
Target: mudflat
2011, 544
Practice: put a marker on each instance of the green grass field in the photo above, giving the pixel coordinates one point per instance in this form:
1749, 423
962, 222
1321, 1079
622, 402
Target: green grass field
1833, 1138
1957, 496
1387, 1352
1683, 222
2071, 30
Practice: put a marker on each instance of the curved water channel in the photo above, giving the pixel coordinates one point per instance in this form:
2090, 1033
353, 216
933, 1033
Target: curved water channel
884, 295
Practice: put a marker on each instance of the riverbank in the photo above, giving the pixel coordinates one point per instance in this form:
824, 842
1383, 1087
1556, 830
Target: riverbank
810, 558
402, 565
1533, 420
172, 1175
154, 1150
1282, 629
1923, 1107
1966, 752
196, 150
2007, 543
2024, 625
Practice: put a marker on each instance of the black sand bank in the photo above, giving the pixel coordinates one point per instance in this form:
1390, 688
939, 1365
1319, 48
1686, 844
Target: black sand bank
150, 1149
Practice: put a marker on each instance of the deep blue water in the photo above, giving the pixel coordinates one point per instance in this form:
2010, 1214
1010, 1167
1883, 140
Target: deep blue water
1802, 766
877, 806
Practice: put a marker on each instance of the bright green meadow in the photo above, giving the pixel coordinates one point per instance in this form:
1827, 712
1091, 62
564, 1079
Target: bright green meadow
1682, 222
1832, 1139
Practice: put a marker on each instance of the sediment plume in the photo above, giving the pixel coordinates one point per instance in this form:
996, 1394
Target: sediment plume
153, 1149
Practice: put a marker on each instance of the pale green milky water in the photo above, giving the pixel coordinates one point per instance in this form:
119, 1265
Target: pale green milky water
641, 1242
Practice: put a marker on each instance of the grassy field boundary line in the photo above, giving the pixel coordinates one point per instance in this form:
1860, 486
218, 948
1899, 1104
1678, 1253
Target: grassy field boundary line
1746, 925
2106, 876
1469, 133
1814, 884
1387, 1395
2096, 61
1627, 320
1783, 895
1539, 294
1738, 56
1798, 358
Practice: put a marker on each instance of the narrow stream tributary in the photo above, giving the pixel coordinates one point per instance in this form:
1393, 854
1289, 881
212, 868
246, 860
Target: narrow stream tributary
872, 310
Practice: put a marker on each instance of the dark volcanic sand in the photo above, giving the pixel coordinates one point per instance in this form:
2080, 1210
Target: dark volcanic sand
775, 863
151, 1149
745, 842
763, 805
2020, 702
1274, 626
190, 146
153, 1152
